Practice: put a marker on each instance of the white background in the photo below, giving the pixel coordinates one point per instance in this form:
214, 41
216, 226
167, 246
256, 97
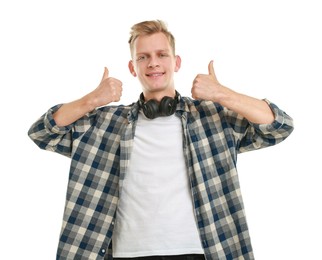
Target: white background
55, 51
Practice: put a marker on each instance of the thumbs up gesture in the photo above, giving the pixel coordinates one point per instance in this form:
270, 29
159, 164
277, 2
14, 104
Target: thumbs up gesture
109, 90
206, 86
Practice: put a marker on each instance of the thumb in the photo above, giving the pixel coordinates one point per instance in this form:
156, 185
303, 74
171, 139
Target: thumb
105, 75
211, 70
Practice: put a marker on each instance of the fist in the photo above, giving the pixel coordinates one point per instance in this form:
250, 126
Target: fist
109, 90
205, 86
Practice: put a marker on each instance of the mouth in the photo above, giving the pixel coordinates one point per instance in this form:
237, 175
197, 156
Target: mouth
155, 74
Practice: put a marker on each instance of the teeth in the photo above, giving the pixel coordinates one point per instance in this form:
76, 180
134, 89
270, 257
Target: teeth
155, 74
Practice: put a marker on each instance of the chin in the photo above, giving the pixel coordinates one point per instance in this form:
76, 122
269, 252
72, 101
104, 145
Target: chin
157, 89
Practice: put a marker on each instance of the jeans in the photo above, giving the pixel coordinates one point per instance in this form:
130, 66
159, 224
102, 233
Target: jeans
166, 257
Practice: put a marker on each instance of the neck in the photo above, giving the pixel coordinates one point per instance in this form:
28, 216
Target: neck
158, 95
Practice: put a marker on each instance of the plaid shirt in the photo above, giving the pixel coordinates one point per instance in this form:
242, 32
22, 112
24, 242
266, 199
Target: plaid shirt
99, 145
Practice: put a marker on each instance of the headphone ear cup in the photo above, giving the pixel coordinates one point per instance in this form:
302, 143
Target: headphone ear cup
167, 106
151, 109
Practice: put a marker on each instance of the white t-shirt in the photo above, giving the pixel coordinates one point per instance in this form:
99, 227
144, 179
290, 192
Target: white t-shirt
155, 214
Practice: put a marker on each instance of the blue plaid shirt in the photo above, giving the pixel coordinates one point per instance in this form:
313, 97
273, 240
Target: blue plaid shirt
99, 145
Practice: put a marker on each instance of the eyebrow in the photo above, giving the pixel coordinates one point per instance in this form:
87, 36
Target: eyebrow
161, 50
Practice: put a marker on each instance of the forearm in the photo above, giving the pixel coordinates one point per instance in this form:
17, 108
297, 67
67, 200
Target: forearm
72, 111
254, 110
109, 90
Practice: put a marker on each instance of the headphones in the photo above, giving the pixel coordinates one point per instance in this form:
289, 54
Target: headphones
153, 108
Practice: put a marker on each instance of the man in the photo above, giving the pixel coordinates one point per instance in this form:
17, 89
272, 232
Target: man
157, 179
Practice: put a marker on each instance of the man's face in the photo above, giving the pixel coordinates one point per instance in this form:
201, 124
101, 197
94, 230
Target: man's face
154, 63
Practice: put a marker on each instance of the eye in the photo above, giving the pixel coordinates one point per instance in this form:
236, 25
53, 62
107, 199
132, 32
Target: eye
141, 58
163, 55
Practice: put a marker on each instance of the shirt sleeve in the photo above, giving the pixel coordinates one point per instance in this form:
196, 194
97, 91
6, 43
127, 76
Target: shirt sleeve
263, 135
47, 135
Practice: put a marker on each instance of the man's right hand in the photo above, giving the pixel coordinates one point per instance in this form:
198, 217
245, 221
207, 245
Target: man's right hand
109, 90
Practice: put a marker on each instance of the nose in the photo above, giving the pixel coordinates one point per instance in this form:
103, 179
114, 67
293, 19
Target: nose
153, 63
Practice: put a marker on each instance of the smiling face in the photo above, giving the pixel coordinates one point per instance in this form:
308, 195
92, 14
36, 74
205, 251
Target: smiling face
154, 63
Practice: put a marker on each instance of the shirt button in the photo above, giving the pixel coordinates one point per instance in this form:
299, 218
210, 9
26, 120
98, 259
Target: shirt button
103, 250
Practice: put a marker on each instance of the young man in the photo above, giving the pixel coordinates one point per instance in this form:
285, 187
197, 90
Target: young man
157, 178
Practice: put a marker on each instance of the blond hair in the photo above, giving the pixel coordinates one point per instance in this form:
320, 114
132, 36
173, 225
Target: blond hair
148, 28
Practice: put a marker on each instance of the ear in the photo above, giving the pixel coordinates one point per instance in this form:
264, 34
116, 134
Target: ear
131, 68
178, 63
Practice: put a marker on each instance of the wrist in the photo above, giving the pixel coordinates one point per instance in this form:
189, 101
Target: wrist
88, 103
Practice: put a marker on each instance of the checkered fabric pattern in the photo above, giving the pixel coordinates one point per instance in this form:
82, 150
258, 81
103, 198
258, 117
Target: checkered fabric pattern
99, 145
